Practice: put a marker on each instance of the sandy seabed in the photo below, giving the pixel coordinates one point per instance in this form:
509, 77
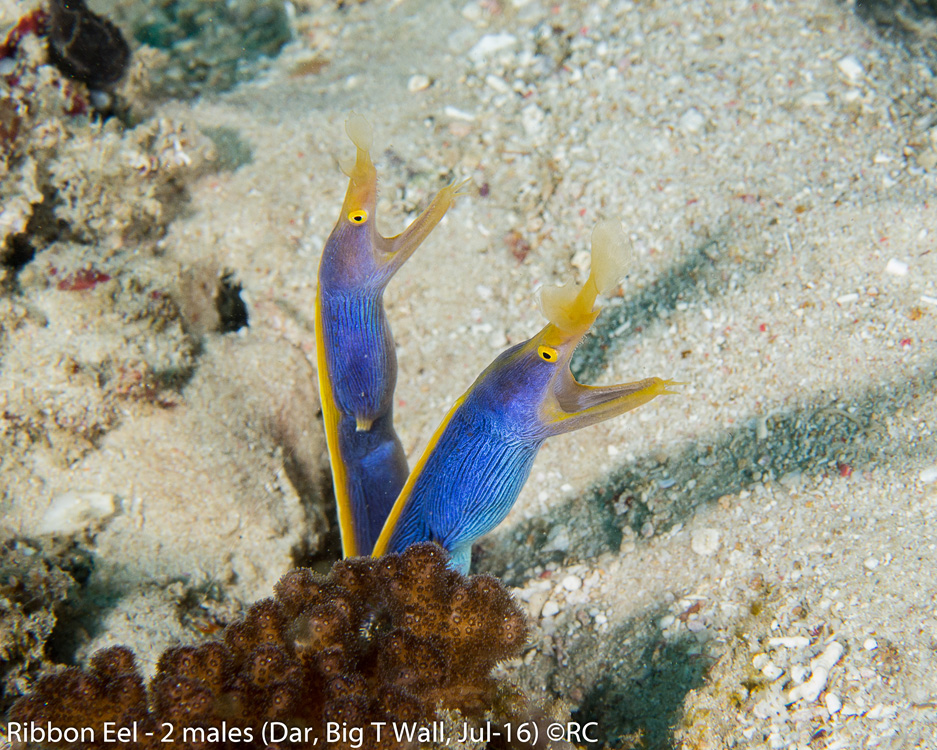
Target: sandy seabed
748, 564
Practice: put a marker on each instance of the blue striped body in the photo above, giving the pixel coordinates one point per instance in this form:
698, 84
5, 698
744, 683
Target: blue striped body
361, 367
377, 468
360, 351
479, 462
355, 357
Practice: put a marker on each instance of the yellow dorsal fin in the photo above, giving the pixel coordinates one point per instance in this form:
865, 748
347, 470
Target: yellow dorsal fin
360, 131
571, 309
611, 255
362, 135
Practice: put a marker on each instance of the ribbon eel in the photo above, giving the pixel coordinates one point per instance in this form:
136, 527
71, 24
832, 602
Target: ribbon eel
479, 458
357, 364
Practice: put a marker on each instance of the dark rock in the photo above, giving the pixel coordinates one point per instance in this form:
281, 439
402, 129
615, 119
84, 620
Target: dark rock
86, 46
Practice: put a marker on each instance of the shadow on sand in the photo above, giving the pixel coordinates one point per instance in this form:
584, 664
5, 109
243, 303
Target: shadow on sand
646, 679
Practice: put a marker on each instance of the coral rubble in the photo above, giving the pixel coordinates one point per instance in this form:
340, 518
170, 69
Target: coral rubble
400, 638
63, 173
209, 44
33, 587
114, 341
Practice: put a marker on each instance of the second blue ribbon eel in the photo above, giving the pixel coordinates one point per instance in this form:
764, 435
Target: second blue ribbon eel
357, 364
477, 461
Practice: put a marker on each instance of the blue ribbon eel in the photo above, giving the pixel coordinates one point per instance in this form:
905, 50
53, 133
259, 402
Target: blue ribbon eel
477, 461
357, 364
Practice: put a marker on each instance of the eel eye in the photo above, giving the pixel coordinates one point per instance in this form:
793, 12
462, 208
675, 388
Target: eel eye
358, 217
547, 353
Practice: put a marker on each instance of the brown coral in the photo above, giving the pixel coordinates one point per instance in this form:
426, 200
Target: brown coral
389, 640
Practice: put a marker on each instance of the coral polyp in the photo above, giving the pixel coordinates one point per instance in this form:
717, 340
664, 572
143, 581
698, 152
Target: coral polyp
396, 639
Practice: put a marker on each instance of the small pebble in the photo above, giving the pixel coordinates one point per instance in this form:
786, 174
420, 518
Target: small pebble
833, 703
764, 709
870, 644
418, 82
532, 118
844, 299
692, 121
850, 67
489, 44
880, 711
871, 563
792, 480
927, 159
666, 621
550, 609
928, 475
535, 605
896, 267
496, 83
458, 114
100, 100
557, 540
582, 260
772, 671
761, 428
472, 12
705, 542
572, 583
814, 99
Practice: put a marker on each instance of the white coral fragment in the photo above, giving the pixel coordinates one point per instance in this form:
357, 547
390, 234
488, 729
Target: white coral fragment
819, 675
75, 511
